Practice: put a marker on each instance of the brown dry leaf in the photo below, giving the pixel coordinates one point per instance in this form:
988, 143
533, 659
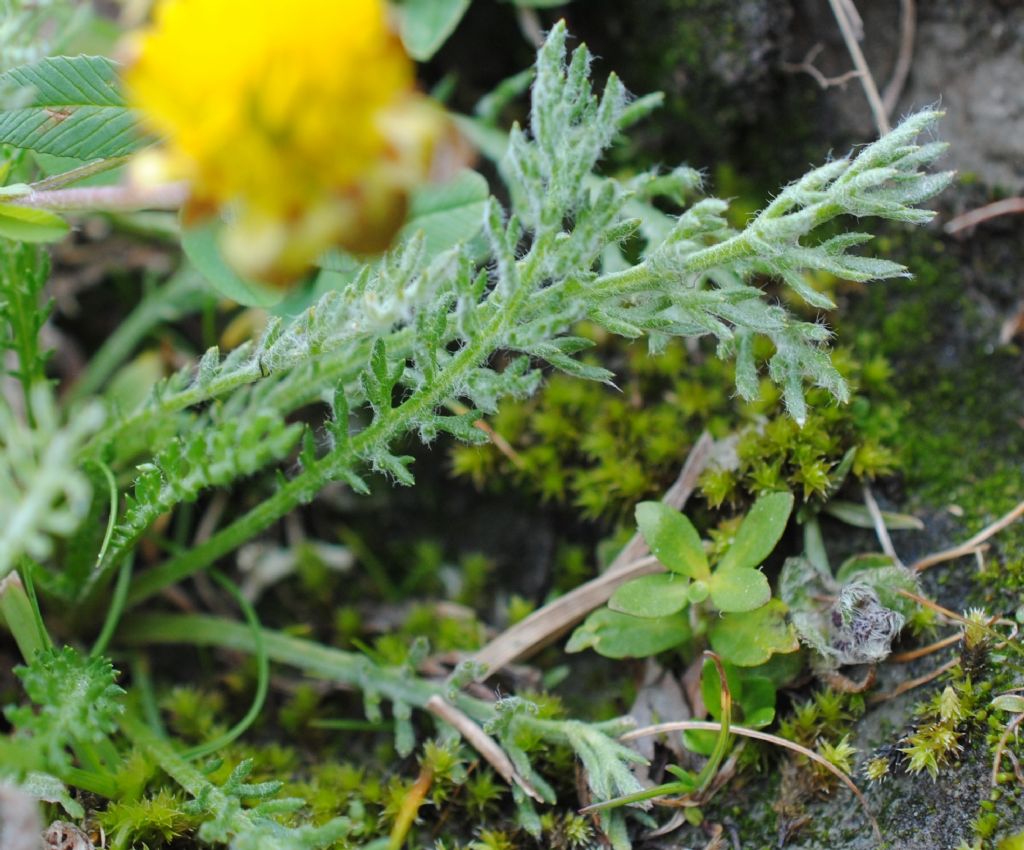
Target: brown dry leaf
659, 699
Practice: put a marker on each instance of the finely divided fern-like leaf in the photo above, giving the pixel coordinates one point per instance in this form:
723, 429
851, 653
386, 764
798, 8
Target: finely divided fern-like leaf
74, 109
76, 699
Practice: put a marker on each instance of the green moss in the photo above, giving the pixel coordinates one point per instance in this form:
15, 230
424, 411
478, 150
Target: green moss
961, 442
602, 449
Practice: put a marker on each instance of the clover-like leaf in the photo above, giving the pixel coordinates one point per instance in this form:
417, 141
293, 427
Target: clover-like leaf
616, 635
750, 639
673, 539
759, 532
739, 589
656, 595
448, 213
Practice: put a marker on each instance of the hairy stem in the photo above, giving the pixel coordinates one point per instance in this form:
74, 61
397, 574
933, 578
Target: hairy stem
105, 198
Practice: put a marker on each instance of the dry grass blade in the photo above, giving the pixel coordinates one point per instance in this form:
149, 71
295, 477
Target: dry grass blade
711, 726
922, 651
554, 619
482, 743
500, 443
908, 28
969, 546
993, 210
910, 684
881, 532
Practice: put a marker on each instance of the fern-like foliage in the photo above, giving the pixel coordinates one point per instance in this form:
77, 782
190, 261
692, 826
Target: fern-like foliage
227, 444
23, 273
75, 701
411, 334
225, 819
29, 29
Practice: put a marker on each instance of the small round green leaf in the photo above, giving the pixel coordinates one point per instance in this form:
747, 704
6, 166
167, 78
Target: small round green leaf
747, 640
739, 589
651, 596
616, 635
673, 539
698, 591
759, 532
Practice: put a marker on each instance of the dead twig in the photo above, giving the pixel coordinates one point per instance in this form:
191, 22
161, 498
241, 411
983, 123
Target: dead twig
842, 9
712, 726
993, 210
554, 619
530, 26
500, 443
482, 743
807, 66
969, 546
845, 685
922, 651
908, 31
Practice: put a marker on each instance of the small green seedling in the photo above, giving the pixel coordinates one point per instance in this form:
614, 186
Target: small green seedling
648, 614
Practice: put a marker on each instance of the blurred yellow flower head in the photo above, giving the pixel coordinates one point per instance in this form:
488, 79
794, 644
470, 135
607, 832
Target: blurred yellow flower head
299, 121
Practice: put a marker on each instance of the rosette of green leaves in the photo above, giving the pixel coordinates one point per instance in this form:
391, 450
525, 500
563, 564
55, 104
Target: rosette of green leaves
649, 614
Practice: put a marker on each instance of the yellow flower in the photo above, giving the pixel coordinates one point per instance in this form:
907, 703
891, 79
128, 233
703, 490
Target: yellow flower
299, 121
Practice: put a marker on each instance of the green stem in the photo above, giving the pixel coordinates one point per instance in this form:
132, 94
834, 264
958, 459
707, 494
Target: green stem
116, 608
216, 801
105, 198
82, 172
262, 680
309, 656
